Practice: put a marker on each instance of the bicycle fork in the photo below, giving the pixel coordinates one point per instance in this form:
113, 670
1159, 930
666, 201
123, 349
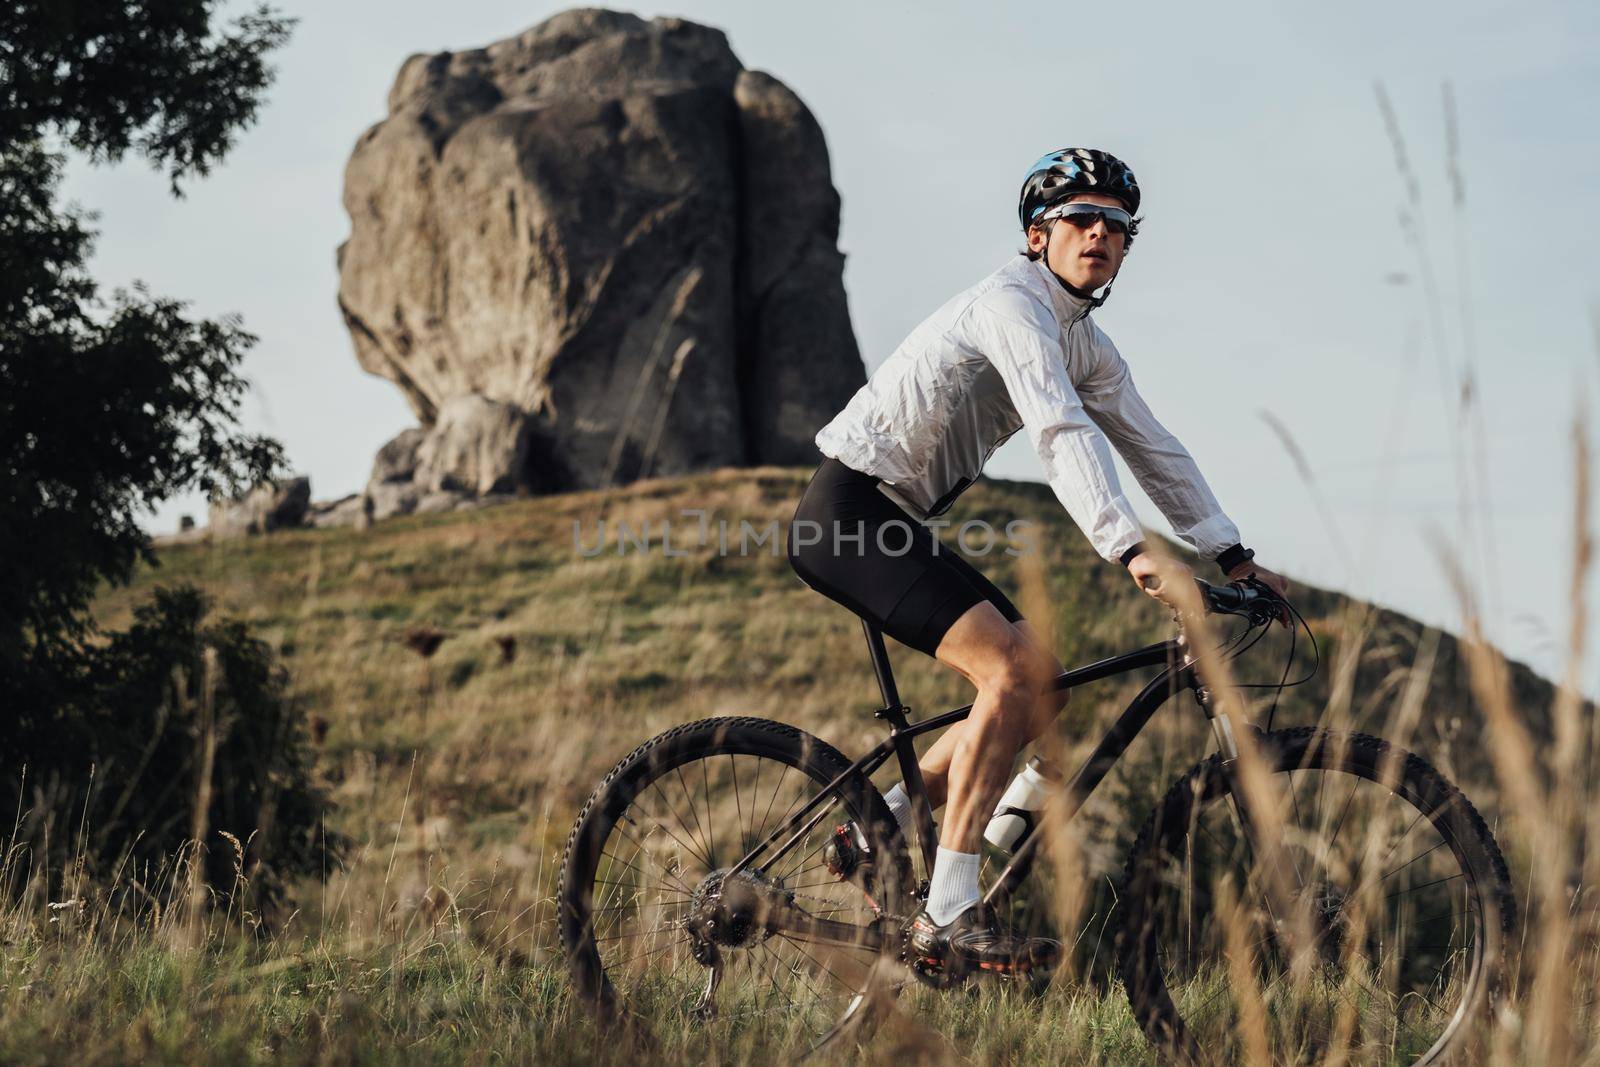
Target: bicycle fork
1270, 863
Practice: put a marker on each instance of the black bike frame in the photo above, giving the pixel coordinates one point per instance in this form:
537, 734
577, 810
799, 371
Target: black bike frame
1179, 675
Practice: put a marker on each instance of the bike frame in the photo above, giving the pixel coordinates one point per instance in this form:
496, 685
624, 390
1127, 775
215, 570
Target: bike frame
1180, 674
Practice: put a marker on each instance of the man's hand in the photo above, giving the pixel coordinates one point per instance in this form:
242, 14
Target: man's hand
1167, 580
1276, 582
1250, 569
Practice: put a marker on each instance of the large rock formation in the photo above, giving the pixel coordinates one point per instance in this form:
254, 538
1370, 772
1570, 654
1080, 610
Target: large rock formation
597, 250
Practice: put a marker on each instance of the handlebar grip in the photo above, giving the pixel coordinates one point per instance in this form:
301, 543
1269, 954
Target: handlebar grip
1225, 598
1231, 599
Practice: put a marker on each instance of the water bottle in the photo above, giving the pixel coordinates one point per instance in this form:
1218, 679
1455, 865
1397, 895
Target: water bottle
1019, 808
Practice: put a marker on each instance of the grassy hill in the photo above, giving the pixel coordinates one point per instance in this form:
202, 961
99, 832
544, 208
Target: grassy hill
614, 646
458, 775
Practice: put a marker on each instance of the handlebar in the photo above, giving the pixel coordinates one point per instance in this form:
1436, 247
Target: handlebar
1225, 599
1251, 598
1261, 605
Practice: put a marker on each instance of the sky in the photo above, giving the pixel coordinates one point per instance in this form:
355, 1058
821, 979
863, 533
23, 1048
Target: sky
1305, 326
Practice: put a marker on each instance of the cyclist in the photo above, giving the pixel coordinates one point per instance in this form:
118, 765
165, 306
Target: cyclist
1017, 351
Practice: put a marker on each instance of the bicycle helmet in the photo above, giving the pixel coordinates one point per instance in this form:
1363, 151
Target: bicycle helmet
1068, 171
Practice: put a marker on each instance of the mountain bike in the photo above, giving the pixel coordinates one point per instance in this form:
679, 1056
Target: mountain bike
1305, 889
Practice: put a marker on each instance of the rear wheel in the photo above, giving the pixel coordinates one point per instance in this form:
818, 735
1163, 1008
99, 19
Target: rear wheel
1400, 894
663, 936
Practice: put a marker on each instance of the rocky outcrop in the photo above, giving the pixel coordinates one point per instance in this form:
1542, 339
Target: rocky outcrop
346, 511
392, 489
593, 251
287, 505
477, 446
263, 509
283, 505
477, 449
396, 461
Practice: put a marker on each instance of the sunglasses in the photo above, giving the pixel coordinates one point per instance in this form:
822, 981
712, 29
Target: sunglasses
1083, 215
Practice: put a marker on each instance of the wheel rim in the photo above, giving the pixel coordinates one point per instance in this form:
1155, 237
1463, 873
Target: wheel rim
658, 933
1395, 962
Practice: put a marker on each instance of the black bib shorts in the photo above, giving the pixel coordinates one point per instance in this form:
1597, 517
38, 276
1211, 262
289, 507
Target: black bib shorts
854, 545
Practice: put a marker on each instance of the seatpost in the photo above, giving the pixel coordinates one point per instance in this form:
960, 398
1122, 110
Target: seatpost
880, 667
894, 713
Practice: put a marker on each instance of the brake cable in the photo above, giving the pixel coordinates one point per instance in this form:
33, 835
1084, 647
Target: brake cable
1283, 682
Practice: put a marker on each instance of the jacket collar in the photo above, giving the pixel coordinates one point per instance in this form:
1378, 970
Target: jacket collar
1068, 305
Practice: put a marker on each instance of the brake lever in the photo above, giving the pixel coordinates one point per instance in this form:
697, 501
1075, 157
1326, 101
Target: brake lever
1275, 607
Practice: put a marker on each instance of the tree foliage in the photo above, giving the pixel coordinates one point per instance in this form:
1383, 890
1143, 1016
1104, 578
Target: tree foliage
155, 76
108, 407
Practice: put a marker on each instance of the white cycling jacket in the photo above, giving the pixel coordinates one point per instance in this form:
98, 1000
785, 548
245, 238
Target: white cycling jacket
1018, 351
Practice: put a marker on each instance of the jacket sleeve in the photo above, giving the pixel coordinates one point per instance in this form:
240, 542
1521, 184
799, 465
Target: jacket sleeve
1077, 458
1158, 460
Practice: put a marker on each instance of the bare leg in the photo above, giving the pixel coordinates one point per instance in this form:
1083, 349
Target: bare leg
935, 763
1009, 669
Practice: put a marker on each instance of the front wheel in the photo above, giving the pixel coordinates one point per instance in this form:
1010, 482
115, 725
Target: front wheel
1399, 893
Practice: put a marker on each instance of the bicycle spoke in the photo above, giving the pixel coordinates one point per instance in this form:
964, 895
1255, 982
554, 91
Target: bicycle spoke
798, 947
639, 852
794, 805
690, 848
1410, 861
652, 952
797, 871
1434, 918
1399, 841
811, 885
711, 828
657, 929
773, 978
625, 906
677, 884
794, 971
689, 798
1294, 803
1340, 824
733, 771
761, 834
645, 852
1424, 885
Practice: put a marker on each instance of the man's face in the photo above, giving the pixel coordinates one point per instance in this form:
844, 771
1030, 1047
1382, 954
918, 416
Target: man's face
1088, 258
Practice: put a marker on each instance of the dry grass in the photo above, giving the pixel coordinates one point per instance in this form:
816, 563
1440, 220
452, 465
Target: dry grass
458, 773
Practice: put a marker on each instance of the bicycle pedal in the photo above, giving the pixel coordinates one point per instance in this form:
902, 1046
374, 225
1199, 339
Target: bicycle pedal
933, 972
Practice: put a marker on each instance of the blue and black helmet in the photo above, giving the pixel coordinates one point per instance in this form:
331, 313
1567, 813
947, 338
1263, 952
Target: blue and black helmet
1069, 171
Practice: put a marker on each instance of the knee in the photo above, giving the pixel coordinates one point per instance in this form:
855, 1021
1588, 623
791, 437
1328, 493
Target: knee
1013, 683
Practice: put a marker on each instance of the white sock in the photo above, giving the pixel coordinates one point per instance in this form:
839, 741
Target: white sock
900, 807
954, 887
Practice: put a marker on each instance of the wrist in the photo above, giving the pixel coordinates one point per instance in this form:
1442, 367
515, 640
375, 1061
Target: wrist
1134, 552
1233, 557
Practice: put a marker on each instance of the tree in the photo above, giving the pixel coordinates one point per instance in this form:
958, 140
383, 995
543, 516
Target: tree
107, 76
107, 407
